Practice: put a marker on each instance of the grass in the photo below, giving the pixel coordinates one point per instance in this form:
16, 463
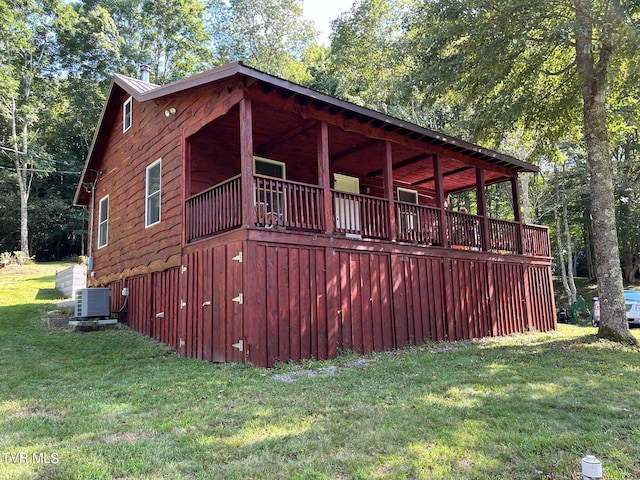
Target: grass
113, 404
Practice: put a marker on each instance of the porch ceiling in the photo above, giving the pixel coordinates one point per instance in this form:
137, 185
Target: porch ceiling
283, 135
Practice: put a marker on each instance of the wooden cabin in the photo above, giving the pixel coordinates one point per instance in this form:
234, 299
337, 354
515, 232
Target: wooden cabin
254, 220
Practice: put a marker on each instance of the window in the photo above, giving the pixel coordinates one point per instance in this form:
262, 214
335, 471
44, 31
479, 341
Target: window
269, 195
271, 168
154, 187
126, 115
407, 196
347, 208
103, 222
408, 216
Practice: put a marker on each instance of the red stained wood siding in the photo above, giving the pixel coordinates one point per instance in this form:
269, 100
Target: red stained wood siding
508, 301
210, 320
124, 159
315, 301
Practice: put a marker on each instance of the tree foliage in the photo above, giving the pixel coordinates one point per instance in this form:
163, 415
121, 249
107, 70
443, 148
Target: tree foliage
546, 67
270, 35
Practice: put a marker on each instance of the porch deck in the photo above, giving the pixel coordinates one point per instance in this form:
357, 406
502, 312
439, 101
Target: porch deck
294, 206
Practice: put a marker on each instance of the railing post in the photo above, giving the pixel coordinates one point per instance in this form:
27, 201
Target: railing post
246, 163
388, 190
439, 180
485, 232
324, 177
515, 198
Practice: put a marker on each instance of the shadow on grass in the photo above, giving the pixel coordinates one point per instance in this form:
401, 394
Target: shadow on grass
49, 294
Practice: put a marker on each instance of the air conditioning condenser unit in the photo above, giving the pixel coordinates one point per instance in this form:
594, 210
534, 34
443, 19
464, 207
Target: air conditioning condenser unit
93, 302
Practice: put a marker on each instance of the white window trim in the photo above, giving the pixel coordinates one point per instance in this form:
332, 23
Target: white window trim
128, 103
147, 195
106, 222
408, 190
274, 162
348, 179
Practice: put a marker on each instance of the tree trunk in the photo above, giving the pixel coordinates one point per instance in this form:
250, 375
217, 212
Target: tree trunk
567, 232
23, 180
587, 233
613, 321
524, 198
559, 246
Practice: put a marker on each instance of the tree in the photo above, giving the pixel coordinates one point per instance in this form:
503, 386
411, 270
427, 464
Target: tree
545, 66
26, 51
270, 35
597, 28
366, 59
168, 35
174, 38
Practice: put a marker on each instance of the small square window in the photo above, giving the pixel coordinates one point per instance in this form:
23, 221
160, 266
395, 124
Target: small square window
407, 196
153, 191
126, 115
103, 222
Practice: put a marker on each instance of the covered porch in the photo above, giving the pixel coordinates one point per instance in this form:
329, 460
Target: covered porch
297, 206
342, 173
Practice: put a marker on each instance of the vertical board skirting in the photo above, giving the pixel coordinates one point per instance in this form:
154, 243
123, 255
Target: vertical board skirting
540, 293
211, 322
419, 295
289, 315
365, 320
509, 300
315, 302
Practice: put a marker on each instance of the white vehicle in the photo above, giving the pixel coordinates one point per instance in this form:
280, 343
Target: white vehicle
632, 302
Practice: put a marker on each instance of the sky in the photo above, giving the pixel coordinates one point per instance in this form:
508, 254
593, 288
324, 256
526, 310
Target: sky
321, 12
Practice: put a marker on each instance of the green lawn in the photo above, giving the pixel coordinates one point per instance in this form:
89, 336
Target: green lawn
113, 404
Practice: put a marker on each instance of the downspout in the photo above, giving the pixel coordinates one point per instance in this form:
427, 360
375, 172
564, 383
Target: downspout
91, 188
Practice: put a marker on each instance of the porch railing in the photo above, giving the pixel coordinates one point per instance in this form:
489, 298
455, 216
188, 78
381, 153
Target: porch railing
504, 236
418, 223
360, 215
536, 241
297, 206
286, 204
215, 210
464, 230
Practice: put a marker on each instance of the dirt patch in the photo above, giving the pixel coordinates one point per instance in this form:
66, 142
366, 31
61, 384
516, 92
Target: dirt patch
59, 319
126, 437
38, 413
290, 377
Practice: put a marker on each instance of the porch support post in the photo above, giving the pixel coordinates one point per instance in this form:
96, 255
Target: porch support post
516, 199
246, 162
485, 233
387, 172
324, 176
439, 180
515, 196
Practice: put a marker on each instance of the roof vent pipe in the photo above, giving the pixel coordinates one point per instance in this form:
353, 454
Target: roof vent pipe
144, 73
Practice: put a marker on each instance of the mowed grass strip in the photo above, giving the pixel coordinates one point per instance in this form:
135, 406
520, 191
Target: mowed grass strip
113, 404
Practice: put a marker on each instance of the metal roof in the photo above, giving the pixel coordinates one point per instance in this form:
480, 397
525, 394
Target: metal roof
144, 91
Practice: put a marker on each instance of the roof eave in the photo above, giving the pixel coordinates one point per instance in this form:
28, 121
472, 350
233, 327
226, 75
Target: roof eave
96, 133
234, 68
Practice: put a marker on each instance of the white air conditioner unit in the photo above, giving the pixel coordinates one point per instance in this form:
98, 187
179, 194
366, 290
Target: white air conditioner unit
93, 302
